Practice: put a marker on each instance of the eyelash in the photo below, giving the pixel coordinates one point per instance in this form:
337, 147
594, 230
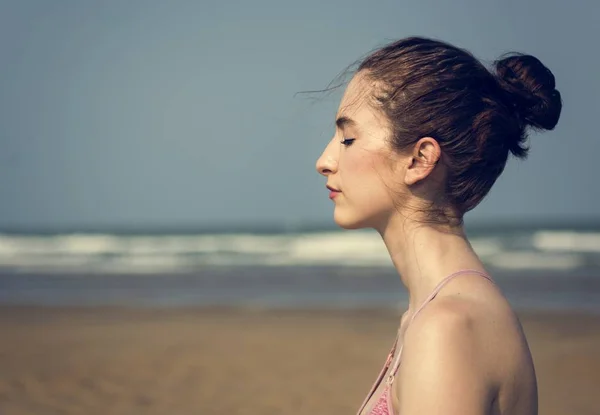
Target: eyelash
347, 141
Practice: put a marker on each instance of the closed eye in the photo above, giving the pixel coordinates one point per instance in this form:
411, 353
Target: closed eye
347, 141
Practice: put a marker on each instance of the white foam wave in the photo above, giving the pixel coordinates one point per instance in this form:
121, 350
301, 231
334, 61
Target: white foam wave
567, 241
340, 248
485, 247
536, 261
170, 253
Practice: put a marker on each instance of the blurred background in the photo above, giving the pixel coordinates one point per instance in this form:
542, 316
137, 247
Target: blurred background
166, 245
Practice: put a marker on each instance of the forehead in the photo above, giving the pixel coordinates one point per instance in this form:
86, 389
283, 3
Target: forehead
355, 95
356, 104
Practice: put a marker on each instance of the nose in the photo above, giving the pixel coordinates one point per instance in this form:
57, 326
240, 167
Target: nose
327, 163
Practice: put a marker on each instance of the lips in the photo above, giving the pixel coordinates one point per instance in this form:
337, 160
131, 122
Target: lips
333, 189
333, 192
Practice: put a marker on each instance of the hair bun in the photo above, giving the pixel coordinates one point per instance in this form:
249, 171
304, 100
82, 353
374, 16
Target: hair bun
529, 89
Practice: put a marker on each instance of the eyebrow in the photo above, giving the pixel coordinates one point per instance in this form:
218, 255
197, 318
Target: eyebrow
343, 121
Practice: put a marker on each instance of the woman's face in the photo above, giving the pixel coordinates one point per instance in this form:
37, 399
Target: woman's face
359, 162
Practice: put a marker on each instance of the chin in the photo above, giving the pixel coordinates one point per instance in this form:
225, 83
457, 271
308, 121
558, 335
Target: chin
369, 219
347, 222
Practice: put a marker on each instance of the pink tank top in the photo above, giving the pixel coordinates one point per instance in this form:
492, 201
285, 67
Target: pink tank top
383, 405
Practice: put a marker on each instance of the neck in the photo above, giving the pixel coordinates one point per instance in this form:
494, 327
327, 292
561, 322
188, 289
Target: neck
425, 254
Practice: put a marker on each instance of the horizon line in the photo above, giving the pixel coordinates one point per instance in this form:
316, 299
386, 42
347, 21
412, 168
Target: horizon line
592, 224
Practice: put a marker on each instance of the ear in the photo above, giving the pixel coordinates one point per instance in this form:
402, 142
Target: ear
425, 156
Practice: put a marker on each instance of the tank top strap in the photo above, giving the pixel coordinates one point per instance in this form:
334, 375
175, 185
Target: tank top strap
429, 298
441, 285
379, 379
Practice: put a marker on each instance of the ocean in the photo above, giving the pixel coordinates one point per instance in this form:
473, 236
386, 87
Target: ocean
545, 267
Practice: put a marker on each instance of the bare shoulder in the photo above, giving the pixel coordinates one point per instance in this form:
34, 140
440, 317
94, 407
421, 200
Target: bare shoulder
451, 330
458, 354
452, 322
455, 313
485, 331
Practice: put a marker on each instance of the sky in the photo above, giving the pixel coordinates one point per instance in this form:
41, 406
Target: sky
170, 113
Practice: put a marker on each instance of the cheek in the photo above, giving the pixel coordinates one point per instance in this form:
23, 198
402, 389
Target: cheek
367, 174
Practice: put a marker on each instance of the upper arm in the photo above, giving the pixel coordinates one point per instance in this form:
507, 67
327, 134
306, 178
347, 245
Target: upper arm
443, 369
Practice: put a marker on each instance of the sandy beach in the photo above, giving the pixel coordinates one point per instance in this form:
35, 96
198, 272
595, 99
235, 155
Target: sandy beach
233, 361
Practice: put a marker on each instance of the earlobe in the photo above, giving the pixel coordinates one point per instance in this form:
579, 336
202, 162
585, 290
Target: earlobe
414, 172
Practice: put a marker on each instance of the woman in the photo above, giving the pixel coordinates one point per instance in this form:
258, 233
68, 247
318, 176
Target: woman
423, 132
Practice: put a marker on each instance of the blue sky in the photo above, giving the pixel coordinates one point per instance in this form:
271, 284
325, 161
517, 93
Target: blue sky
183, 112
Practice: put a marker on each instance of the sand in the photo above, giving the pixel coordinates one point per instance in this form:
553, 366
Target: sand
231, 361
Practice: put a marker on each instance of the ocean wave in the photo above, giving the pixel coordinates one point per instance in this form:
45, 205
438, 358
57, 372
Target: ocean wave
567, 241
107, 253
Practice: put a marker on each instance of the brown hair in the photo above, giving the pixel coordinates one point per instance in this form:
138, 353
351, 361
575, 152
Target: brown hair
428, 88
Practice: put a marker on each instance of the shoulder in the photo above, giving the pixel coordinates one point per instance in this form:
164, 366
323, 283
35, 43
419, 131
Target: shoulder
446, 360
446, 333
456, 324
448, 318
